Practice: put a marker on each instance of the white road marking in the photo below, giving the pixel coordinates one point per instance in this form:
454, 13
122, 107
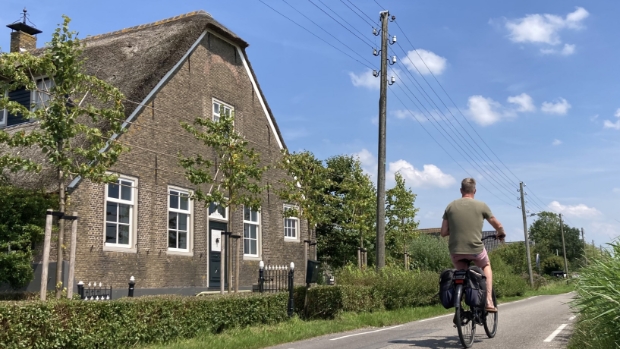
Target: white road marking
436, 317
359, 334
555, 333
571, 318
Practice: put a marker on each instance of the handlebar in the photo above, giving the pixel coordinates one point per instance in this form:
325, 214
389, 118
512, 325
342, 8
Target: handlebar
489, 237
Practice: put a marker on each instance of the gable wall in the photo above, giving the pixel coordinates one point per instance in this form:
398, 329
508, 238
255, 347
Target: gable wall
214, 70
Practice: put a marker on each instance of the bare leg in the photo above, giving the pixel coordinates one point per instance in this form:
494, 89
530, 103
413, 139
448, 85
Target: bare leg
489, 274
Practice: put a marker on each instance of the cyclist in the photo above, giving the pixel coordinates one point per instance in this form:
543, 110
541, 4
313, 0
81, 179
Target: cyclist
462, 222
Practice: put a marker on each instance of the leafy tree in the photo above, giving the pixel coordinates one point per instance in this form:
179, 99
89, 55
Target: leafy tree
400, 214
305, 186
514, 255
76, 114
429, 252
22, 220
551, 264
545, 232
238, 166
351, 211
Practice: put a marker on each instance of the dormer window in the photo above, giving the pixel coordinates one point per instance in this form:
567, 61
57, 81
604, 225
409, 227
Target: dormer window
220, 109
29, 99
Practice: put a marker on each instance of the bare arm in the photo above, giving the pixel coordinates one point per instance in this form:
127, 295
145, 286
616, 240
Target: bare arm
498, 227
445, 229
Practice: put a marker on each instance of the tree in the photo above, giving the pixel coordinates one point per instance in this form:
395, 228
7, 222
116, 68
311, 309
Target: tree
239, 182
305, 186
400, 214
77, 115
22, 219
546, 234
351, 210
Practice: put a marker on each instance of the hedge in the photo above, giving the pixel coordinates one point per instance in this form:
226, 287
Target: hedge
126, 322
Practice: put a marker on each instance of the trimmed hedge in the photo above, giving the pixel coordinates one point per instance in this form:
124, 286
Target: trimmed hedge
127, 322
326, 302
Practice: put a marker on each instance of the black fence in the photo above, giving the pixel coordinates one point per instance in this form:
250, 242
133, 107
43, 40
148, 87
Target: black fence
277, 278
94, 292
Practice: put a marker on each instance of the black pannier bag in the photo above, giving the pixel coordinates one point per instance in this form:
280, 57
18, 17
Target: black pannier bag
476, 288
446, 288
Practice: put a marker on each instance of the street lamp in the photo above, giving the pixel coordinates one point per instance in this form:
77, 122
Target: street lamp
563, 243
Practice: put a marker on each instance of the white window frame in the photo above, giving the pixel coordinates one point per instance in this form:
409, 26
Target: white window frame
35, 94
190, 221
256, 223
216, 115
216, 216
4, 114
133, 214
293, 219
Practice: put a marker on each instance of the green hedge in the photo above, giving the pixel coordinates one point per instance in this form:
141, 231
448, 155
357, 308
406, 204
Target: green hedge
326, 302
126, 322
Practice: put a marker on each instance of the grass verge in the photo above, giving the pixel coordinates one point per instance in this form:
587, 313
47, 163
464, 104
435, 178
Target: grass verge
267, 335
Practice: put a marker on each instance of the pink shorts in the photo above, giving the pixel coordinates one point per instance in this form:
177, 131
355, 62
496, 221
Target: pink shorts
481, 259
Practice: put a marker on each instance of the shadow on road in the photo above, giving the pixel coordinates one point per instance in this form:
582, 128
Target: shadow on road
431, 342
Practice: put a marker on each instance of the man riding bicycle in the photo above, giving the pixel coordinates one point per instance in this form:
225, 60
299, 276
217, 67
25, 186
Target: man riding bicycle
462, 221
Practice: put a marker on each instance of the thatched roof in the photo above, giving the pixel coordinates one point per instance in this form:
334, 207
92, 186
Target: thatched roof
135, 60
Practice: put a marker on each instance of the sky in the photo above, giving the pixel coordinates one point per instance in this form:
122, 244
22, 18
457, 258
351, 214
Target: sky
500, 91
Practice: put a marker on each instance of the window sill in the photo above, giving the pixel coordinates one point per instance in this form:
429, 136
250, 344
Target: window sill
180, 253
287, 239
251, 258
118, 248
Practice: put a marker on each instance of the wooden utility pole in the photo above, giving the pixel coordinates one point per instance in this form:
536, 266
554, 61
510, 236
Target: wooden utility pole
72, 256
527, 239
46, 253
381, 151
563, 246
222, 262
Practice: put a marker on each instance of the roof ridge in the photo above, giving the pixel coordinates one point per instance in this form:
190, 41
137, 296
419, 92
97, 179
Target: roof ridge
148, 25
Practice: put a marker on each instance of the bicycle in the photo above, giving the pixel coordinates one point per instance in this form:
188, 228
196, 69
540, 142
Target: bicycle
465, 320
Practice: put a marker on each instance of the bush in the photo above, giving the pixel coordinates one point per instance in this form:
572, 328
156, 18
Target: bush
429, 252
508, 285
127, 322
598, 300
513, 254
326, 302
551, 264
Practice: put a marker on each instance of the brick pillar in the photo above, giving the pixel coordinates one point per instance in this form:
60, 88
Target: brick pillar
19, 39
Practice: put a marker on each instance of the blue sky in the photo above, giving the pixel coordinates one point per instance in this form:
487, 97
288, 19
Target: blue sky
535, 96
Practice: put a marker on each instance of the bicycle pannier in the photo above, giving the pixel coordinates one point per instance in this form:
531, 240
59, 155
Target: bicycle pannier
476, 288
446, 288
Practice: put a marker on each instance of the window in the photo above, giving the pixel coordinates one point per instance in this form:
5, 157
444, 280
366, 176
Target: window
41, 96
251, 230
29, 99
120, 204
3, 115
218, 212
220, 109
291, 224
179, 222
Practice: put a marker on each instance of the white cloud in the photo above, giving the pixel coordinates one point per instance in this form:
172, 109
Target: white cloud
611, 124
434, 62
556, 142
611, 231
560, 107
368, 161
580, 211
616, 190
365, 79
567, 50
484, 111
523, 101
430, 176
544, 28
409, 114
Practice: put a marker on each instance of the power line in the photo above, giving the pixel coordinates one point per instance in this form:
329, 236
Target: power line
372, 22
342, 25
318, 37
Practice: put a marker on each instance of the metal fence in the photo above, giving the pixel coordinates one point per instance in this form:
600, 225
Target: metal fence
277, 278
94, 292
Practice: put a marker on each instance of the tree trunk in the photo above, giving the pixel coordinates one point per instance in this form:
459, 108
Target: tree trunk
61, 232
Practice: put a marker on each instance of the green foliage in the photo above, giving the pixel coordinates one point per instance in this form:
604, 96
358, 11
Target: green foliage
237, 165
429, 252
545, 231
350, 211
327, 302
509, 285
128, 322
400, 214
551, 264
22, 222
598, 300
514, 255
70, 112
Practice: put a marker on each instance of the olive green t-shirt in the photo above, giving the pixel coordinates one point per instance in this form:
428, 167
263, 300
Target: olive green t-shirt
465, 218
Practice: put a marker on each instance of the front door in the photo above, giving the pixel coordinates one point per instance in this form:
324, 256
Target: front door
215, 253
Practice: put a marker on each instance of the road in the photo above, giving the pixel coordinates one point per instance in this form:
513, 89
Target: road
536, 322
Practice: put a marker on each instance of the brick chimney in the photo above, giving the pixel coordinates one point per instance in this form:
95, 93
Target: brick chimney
23, 36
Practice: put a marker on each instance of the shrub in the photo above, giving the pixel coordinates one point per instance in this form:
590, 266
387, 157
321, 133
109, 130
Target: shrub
429, 252
598, 300
508, 285
551, 264
514, 255
127, 322
326, 302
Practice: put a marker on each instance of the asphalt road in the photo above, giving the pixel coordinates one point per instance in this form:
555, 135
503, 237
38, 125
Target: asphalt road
536, 322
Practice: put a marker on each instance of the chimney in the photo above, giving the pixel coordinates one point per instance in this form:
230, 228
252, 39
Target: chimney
23, 36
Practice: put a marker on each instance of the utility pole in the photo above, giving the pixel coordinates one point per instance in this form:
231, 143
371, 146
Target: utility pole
527, 239
381, 153
563, 246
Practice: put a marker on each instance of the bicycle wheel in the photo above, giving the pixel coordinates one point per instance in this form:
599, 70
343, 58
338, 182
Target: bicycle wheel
490, 319
464, 318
